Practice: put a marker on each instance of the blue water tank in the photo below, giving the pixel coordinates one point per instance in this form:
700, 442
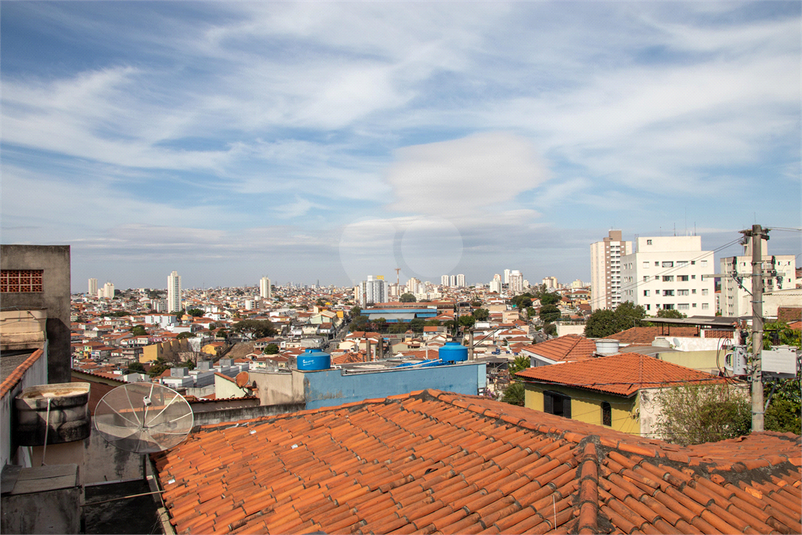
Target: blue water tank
453, 352
313, 360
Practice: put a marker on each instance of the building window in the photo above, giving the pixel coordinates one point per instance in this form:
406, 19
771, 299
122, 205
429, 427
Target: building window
607, 414
705, 306
705, 291
668, 292
21, 281
682, 278
648, 242
646, 278
668, 278
683, 306
645, 264
682, 263
693, 277
668, 307
645, 293
557, 404
703, 263
668, 264
657, 264
648, 307
683, 292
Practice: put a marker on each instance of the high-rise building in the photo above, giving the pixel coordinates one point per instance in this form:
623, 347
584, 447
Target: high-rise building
668, 273
372, 291
779, 273
174, 292
495, 285
92, 291
551, 283
461, 280
445, 281
516, 282
107, 292
265, 291
605, 270
414, 286
506, 276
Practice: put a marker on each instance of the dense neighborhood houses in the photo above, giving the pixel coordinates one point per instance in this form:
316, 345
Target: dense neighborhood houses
417, 407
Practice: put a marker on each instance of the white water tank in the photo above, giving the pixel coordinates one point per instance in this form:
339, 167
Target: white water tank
606, 346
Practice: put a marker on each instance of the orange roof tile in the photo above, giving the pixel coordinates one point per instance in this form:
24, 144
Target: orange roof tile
433, 461
567, 348
622, 374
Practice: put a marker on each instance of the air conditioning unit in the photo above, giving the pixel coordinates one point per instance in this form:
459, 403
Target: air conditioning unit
780, 361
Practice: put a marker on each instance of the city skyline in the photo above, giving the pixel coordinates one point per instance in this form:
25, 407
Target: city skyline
335, 141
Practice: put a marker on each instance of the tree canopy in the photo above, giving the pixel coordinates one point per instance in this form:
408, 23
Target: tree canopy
195, 312
481, 314
605, 322
549, 313
467, 321
256, 328
407, 298
270, 349
138, 330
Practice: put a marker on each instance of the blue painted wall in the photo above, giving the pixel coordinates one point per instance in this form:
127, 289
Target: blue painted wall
331, 387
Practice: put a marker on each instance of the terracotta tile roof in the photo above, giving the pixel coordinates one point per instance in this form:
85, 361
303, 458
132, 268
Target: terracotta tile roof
16, 376
437, 462
646, 335
567, 348
622, 374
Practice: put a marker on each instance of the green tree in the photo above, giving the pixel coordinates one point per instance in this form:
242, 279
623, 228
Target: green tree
467, 321
188, 364
397, 328
256, 328
158, 367
179, 315
181, 336
271, 349
407, 298
417, 325
549, 313
355, 312
605, 322
515, 394
778, 333
549, 299
135, 367
481, 314
550, 329
519, 364
195, 312
138, 330
670, 313
697, 413
784, 413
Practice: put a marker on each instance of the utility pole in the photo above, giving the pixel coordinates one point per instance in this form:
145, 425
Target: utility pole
757, 235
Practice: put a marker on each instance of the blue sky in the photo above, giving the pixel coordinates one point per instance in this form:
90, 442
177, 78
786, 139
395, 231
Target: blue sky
328, 141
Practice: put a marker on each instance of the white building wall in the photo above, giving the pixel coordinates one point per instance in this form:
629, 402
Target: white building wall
669, 273
264, 288
605, 271
173, 292
92, 287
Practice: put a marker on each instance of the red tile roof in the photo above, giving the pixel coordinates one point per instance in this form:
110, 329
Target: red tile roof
568, 348
437, 462
646, 335
622, 374
789, 314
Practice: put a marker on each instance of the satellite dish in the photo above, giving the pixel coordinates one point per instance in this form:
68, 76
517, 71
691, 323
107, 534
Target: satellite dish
143, 417
242, 379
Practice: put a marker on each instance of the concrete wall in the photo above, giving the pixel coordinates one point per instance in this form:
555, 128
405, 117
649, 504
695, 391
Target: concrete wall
245, 413
54, 261
35, 375
704, 361
586, 406
275, 388
567, 328
332, 387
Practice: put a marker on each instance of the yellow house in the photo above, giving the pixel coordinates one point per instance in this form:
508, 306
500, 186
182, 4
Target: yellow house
167, 350
616, 391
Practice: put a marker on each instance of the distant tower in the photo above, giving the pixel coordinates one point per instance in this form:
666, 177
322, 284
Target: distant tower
92, 287
444, 281
507, 276
174, 292
605, 271
264, 288
107, 291
461, 280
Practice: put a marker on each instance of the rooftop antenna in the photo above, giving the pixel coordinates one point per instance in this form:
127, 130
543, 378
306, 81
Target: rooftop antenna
143, 417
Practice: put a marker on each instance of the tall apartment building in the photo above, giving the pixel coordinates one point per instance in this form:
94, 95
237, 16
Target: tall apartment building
551, 283
108, 291
507, 276
779, 273
460, 283
92, 290
605, 270
174, 292
516, 282
372, 291
445, 281
265, 291
414, 286
668, 273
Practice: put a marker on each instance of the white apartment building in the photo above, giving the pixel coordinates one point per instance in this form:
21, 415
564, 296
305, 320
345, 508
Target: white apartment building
372, 291
779, 274
669, 273
507, 276
516, 284
605, 270
551, 283
414, 286
107, 292
265, 291
445, 280
174, 292
92, 287
460, 283
495, 285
